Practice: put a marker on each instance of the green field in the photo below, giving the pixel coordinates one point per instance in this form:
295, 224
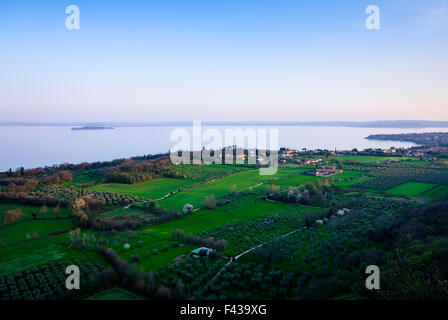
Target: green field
27, 210
440, 192
292, 237
285, 177
153, 189
348, 177
126, 211
411, 189
196, 196
17, 232
366, 158
115, 293
342, 179
241, 209
413, 162
34, 253
241, 181
147, 258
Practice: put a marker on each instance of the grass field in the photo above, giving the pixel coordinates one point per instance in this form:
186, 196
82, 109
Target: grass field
241, 181
159, 236
196, 196
411, 189
128, 211
349, 177
245, 222
440, 192
143, 245
27, 210
115, 293
17, 232
292, 179
285, 177
365, 158
153, 189
37, 252
197, 222
413, 162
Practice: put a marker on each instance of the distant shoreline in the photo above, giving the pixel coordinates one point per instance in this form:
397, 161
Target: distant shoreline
91, 128
411, 124
423, 138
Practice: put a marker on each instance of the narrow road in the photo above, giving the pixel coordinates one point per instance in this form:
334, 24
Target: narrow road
192, 186
250, 250
265, 243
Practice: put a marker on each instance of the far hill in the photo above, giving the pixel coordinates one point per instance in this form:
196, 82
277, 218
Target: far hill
356, 124
424, 139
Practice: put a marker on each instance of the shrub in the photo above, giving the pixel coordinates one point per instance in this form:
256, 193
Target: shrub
155, 251
221, 245
163, 292
13, 215
178, 235
210, 202
81, 239
165, 248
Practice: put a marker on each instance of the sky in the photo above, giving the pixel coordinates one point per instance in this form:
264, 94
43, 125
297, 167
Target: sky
215, 60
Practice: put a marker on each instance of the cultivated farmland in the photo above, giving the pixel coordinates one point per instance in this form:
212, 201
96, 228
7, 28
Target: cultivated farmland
270, 237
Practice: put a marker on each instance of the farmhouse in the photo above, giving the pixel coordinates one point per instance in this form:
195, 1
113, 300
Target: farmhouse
313, 161
343, 211
434, 150
187, 208
199, 252
325, 171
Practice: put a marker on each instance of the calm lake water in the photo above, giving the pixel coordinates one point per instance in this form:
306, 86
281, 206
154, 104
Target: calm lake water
36, 146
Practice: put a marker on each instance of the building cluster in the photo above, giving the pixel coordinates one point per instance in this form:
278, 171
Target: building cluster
325, 171
309, 157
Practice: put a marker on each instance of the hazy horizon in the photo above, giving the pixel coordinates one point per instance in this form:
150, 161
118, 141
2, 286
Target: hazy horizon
233, 122
105, 145
223, 60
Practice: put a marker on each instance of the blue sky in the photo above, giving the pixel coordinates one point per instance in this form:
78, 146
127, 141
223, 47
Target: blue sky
223, 60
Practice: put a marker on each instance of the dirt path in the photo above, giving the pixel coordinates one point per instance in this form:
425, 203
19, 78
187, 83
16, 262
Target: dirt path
257, 185
250, 250
189, 187
265, 243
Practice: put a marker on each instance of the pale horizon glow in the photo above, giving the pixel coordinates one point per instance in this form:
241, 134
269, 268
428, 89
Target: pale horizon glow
223, 61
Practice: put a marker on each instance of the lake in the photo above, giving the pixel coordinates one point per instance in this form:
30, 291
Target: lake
36, 146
